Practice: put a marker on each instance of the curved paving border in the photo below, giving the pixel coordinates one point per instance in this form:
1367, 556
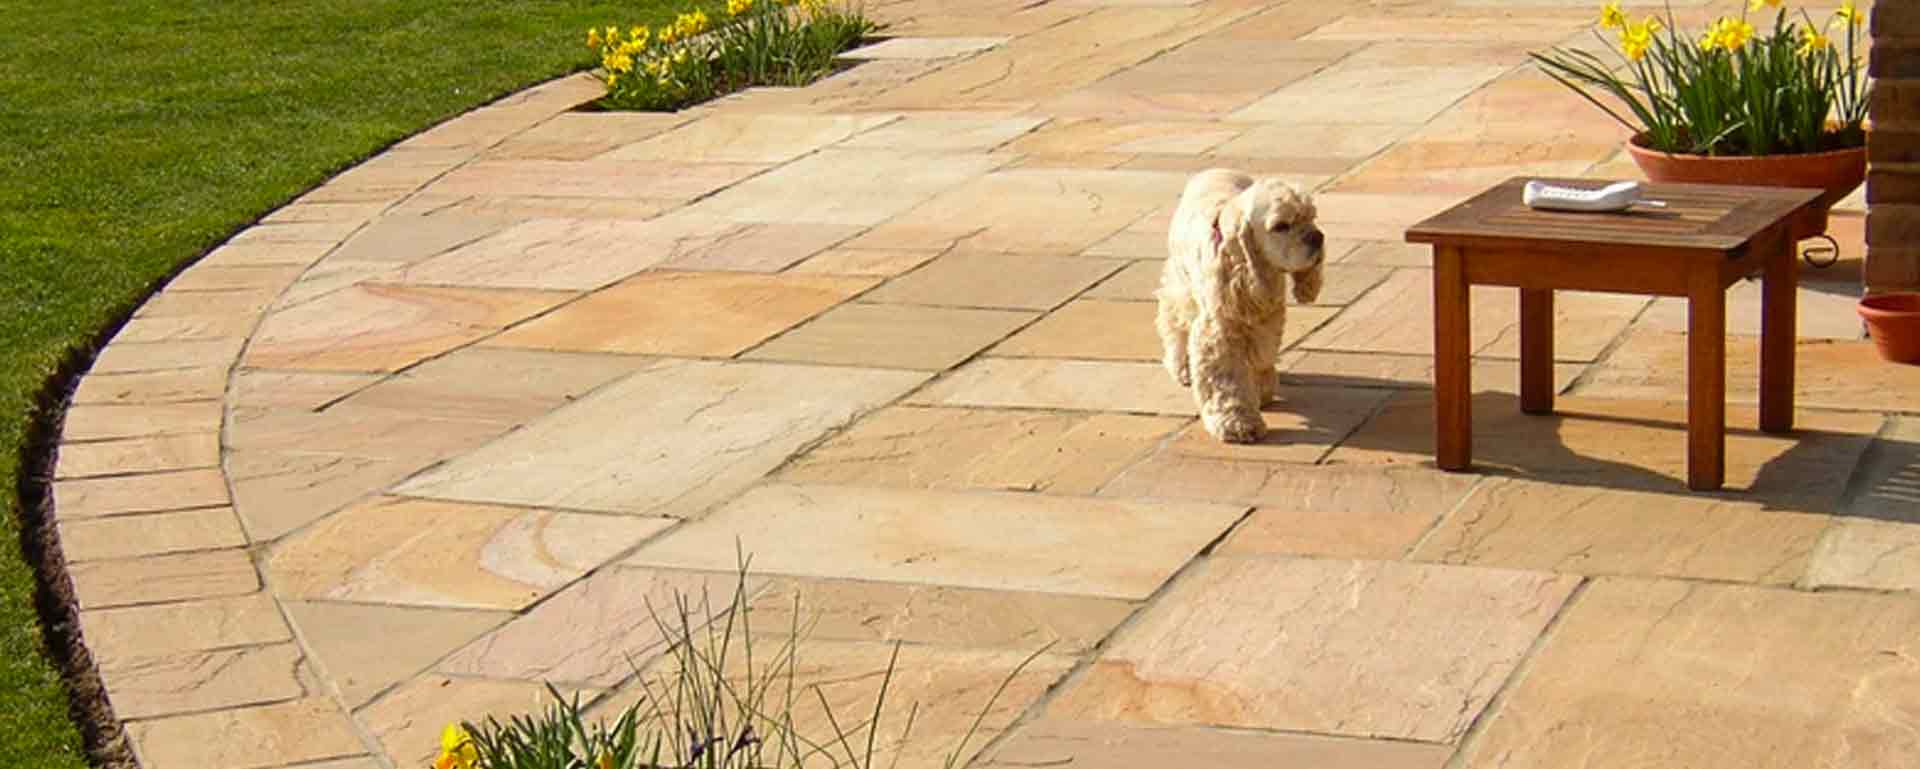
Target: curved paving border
341, 480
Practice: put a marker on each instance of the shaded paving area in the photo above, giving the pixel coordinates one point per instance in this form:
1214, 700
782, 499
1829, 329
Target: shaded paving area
437, 432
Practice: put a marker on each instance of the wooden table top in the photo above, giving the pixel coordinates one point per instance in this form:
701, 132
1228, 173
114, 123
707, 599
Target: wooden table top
1704, 218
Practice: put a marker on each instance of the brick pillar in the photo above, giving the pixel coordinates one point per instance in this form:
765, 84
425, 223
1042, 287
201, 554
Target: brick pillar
1893, 150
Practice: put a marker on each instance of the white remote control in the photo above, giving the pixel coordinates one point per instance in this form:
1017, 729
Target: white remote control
1618, 196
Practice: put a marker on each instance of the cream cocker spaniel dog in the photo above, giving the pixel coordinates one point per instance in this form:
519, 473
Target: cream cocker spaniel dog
1234, 242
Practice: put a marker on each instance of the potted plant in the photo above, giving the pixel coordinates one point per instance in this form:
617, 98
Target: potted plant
1730, 105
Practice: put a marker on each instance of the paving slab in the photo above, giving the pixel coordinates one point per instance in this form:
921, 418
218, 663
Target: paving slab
1739, 661
1350, 648
1103, 548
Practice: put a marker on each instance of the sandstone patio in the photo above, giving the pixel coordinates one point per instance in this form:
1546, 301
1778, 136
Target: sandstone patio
436, 433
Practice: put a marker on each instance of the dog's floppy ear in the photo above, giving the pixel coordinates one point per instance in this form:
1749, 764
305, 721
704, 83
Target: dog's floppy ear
1241, 276
1307, 283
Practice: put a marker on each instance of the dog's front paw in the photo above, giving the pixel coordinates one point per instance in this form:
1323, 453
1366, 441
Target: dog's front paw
1237, 426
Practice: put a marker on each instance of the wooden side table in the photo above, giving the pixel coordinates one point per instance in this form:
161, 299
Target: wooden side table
1708, 237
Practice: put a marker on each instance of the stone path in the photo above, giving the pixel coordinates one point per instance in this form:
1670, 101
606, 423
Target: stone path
433, 434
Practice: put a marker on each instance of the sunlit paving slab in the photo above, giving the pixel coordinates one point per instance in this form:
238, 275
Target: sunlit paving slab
615, 451
1353, 648
1106, 548
1819, 678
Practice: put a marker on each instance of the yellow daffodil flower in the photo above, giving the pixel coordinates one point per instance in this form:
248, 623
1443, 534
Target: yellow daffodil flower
593, 38
668, 35
737, 7
1611, 17
605, 761
613, 80
1729, 33
1850, 13
1737, 35
620, 63
613, 33
457, 750
1754, 5
1637, 38
1813, 42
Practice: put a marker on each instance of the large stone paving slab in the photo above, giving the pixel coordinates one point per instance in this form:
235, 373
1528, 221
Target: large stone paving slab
1008, 281
850, 187
202, 681
940, 448
1143, 388
615, 622
304, 730
371, 327
454, 555
893, 336
1590, 530
1057, 59
162, 578
1827, 374
279, 492
670, 440
595, 179
1338, 511
366, 649
728, 138
1711, 676
494, 384
684, 313
1355, 648
935, 615
1064, 742
1047, 211
1105, 548
1402, 95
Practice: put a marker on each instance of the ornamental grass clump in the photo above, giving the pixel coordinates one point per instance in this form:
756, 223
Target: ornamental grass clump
713, 700
696, 58
1732, 90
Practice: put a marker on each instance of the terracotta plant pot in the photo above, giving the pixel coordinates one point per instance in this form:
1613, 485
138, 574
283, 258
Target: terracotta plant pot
1838, 172
1893, 320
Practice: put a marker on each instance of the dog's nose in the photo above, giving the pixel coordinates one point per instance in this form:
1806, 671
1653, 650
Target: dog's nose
1315, 238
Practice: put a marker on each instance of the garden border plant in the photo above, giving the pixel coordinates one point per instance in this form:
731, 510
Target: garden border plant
696, 711
1731, 91
693, 60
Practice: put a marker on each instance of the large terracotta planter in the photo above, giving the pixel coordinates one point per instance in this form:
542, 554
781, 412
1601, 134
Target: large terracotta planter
1838, 172
1893, 320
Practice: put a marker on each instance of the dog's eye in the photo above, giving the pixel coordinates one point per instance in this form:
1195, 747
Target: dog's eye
1282, 227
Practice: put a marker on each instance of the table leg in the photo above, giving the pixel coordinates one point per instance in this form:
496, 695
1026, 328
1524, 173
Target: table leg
1452, 360
1706, 380
1778, 333
1536, 350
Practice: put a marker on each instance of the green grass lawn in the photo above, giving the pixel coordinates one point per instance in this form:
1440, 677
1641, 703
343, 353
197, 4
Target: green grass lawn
135, 135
